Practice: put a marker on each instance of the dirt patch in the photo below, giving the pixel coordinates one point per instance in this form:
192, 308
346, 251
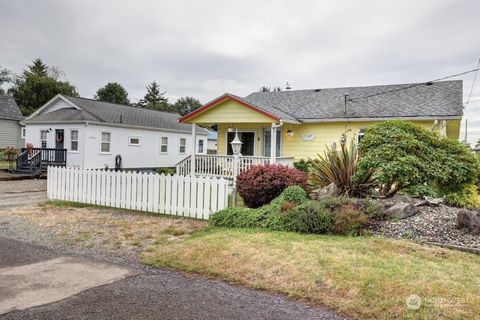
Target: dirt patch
110, 229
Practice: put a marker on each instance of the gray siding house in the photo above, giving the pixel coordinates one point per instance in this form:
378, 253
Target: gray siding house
10, 128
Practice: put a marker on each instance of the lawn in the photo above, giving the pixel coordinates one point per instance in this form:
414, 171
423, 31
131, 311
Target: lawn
6, 164
362, 277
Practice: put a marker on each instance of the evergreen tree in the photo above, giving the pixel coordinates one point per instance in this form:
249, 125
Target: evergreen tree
113, 92
264, 89
154, 99
35, 88
185, 105
38, 68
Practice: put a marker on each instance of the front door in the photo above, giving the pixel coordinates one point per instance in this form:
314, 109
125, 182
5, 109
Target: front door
267, 140
59, 143
248, 143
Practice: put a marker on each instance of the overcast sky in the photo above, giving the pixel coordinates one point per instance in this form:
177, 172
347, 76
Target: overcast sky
206, 48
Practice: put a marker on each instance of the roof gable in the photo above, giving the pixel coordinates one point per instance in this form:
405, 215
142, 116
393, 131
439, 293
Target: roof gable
215, 111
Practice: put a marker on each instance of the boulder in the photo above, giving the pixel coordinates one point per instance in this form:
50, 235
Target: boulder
468, 220
402, 210
329, 191
430, 201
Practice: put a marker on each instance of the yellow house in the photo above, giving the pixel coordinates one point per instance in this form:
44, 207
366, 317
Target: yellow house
304, 122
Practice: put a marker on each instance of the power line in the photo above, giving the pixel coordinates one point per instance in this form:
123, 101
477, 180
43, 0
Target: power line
415, 85
473, 84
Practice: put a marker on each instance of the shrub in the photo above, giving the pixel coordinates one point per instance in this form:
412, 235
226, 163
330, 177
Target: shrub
302, 165
294, 194
465, 197
310, 217
235, 217
258, 185
339, 168
349, 221
405, 155
166, 171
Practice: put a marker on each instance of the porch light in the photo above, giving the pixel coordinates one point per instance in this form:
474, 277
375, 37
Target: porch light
290, 132
236, 144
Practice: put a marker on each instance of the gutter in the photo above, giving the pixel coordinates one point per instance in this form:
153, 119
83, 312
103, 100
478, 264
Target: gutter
381, 119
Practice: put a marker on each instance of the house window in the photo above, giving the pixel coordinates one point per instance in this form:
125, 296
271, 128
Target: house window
73, 140
183, 145
105, 147
134, 141
200, 146
360, 135
164, 145
43, 138
24, 132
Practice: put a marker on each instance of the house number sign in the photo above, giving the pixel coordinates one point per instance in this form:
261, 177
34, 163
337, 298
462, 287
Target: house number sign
308, 137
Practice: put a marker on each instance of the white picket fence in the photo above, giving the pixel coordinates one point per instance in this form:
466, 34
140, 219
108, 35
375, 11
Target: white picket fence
196, 197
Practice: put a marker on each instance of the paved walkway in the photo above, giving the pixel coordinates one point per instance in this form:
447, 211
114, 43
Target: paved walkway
22, 192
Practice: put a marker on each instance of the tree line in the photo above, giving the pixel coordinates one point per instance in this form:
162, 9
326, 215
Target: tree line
39, 83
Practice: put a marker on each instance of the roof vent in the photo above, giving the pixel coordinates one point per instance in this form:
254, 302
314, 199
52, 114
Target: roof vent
287, 86
429, 83
318, 90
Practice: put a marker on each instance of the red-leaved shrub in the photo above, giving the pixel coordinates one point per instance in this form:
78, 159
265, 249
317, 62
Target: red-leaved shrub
258, 185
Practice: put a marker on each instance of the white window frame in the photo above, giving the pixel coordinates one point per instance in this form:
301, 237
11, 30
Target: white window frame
182, 145
203, 146
255, 137
71, 140
135, 144
42, 140
109, 142
162, 144
23, 132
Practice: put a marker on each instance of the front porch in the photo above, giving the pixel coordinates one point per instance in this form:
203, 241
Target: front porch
225, 166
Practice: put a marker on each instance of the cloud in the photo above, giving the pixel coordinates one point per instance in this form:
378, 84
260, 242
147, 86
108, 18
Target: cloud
203, 48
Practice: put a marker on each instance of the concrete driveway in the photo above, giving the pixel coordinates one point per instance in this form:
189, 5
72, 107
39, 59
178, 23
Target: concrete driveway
22, 192
44, 284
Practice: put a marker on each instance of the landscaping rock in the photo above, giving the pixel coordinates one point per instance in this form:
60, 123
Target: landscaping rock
429, 201
469, 220
329, 191
402, 210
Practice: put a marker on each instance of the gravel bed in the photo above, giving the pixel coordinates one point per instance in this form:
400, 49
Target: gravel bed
431, 224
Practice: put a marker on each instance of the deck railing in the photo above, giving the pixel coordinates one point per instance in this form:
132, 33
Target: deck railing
50, 156
224, 166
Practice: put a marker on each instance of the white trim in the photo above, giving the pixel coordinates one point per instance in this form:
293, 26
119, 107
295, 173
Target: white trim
139, 144
78, 138
262, 140
46, 105
161, 144
109, 142
23, 132
381, 119
180, 145
243, 130
97, 123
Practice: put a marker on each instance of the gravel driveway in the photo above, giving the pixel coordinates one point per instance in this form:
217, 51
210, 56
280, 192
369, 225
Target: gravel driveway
22, 192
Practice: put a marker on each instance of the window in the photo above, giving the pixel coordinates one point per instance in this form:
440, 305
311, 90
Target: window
73, 140
360, 135
24, 132
183, 145
43, 138
200, 146
105, 147
164, 145
133, 141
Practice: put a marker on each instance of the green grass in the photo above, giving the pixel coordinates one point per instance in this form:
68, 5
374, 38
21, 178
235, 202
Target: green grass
362, 277
6, 165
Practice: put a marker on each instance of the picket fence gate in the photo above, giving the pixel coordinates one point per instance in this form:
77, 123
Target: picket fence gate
187, 196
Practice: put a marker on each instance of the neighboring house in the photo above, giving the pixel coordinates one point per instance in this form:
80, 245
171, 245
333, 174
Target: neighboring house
11, 133
95, 132
305, 121
212, 142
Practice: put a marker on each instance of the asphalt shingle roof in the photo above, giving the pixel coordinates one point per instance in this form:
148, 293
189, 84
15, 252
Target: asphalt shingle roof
93, 110
405, 100
9, 109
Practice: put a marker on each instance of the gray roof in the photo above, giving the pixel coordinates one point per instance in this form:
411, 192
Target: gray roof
438, 99
9, 109
99, 111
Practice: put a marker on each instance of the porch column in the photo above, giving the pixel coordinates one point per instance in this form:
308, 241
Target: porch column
194, 144
273, 144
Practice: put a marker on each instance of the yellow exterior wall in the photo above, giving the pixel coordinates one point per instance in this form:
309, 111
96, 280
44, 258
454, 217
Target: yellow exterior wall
256, 127
229, 112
